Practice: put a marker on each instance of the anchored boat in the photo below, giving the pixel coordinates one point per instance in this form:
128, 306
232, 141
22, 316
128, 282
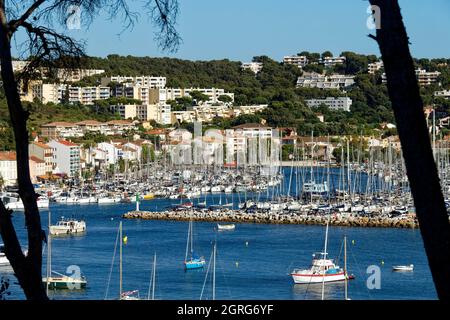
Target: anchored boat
225, 227
403, 268
322, 269
68, 226
192, 262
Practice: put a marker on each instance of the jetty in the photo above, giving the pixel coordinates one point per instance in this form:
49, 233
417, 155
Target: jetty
240, 216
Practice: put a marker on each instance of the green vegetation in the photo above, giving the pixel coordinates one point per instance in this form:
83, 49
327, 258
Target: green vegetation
274, 85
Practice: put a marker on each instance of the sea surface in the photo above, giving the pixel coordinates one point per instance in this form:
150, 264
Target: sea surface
253, 261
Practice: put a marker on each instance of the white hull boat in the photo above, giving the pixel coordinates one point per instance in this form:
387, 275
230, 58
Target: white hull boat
403, 268
67, 227
225, 227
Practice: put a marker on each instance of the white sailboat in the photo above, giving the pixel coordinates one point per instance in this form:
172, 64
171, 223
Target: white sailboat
152, 284
127, 295
213, 260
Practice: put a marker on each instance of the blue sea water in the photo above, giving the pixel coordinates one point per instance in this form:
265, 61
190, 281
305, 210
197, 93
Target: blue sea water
253, 261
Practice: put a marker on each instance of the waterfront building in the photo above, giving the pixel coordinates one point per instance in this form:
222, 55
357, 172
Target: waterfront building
66, 157
340, 103
42, 152
8, 167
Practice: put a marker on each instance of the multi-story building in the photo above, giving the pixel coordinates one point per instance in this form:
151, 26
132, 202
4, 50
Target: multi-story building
299, 61
163, 95
332, 61
8, 167
58, 130
66, 157
254, 67
443, 94
74, 75
375, 66
341, 103
87, 95
42, 152
46, 92
145, 81
424, 78
37, 168
315, 80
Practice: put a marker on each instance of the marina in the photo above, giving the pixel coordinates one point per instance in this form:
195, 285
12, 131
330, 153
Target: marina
249, 259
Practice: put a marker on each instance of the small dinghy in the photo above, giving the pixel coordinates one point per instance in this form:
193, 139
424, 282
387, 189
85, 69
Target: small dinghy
403, 268
225, 227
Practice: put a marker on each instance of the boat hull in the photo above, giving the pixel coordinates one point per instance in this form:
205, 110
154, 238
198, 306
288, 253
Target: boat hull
194, 264
317, 278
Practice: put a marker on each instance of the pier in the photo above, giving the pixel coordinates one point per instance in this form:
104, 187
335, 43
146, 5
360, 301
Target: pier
239, 216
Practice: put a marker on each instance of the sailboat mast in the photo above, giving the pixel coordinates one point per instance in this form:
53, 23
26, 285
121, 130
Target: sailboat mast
49, 255
324, 257
187, 242
154, 277
345, 266
120, 260
214, 273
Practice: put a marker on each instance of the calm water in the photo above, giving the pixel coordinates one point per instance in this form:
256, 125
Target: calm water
253, 261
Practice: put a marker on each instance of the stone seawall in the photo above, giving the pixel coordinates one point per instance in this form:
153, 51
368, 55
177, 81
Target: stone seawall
276, 218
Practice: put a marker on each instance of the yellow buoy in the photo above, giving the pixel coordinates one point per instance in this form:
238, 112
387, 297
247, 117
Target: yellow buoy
237, 264
382, 262
353, 242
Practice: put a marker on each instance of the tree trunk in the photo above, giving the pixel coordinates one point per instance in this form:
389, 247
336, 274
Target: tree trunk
28, 269
415, 141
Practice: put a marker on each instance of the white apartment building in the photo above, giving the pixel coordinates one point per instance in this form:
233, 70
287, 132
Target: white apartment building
299, 61
146, 81
58, 130
340, 103
46, 92
73, 75
424, 78
37, 168
374, 66
332, 61
254, 67
87, 95
163, 95
66, 157
315, 80
164, 114
443, 94
8, 167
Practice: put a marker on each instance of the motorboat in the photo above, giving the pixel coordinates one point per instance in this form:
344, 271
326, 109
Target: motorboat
67, 227
403, 268
225, 227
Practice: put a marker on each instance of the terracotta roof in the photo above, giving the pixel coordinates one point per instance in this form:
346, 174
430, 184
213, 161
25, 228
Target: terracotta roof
251, 126
156, 131
124, 122
68, 143
36, 159
7, 156
59, 124
40, 144
89, 122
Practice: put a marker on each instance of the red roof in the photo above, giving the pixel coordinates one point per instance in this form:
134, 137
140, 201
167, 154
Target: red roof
7, 156
36, 159
68, 143
40, 144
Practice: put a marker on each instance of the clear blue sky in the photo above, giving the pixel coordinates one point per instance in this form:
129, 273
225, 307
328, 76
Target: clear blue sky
241, 29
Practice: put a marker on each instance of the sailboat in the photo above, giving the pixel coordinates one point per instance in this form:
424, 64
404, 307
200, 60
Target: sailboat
192, 262
127, 295
60, 281
213, 259
322, 269
152, 281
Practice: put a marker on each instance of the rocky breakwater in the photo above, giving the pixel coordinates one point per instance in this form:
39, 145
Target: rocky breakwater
276, 218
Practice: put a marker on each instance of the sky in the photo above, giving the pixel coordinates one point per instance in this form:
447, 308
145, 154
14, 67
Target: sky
242, 29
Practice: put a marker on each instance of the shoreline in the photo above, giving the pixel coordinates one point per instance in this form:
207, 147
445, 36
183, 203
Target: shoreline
273, 218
